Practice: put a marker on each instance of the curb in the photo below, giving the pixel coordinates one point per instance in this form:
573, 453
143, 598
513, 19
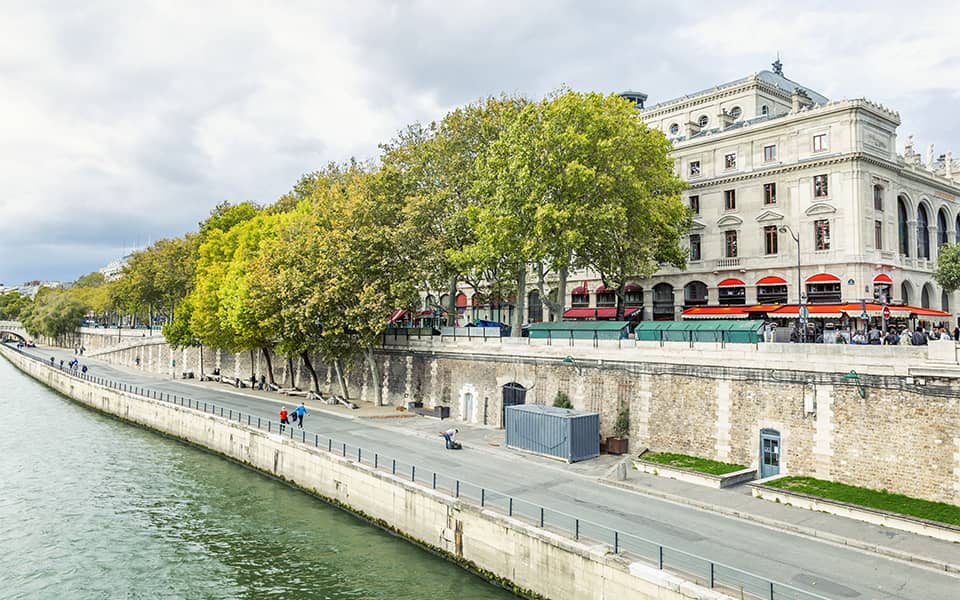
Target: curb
810, 532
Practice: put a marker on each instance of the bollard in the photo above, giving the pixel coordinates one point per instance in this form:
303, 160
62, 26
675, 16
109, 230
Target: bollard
616, 549
541, 516
330, 445
376, 460
483, 496
316, 440
711, 576
576, 529
413, 472
510, 508
393, 469
660, 562
344, 448
258, 423
458, 488
434, 481
359, 456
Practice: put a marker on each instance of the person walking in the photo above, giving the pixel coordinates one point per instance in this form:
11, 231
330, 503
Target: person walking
263, 382
449, 438
298, 414
84, 369
61, 364
283, 418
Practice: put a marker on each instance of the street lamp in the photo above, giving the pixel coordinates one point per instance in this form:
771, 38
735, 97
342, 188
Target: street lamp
569, 360
801, 310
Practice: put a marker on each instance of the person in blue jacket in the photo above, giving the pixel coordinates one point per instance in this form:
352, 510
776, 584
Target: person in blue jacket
301, 410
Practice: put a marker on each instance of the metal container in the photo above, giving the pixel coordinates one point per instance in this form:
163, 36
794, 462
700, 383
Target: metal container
569, 435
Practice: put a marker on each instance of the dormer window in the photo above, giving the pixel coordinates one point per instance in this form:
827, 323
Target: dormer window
764, 110
735, 112
674, 129
694, 168
703, 121
730, 161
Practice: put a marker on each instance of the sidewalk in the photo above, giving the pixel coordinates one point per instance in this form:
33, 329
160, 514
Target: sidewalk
734, 502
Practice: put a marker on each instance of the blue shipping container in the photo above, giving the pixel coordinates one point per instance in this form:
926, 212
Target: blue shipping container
570, 435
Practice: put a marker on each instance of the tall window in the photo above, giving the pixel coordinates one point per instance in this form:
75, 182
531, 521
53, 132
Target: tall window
703, 121
941, 228
820, 142
903, 227
878, 234
694, 168
769, 193
770, 239
729, 199
923, 233
730, 161
695, 204
878, 197
769, 153
821, 234
695, 247
730, 244
820, 186
764, 110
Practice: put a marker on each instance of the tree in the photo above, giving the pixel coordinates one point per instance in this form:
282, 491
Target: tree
947, 273
54, 313
12, 304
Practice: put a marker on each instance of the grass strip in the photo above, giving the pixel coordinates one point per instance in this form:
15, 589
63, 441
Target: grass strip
701, 465
940, 512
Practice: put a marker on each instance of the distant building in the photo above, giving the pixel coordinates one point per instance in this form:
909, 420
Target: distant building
112, 271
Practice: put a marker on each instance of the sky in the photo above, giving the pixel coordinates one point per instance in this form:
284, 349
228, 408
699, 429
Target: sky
122, 123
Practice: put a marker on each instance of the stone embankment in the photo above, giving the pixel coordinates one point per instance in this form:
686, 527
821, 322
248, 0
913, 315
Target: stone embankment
532, 561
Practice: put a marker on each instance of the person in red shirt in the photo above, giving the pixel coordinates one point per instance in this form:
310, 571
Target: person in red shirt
283, 418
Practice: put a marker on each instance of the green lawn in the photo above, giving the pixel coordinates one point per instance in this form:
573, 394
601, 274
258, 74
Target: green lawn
693, 463
895, 503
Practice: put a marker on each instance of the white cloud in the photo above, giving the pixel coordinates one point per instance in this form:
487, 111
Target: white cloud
127, 121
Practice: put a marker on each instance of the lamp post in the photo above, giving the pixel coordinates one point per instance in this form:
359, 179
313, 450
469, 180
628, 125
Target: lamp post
801, 311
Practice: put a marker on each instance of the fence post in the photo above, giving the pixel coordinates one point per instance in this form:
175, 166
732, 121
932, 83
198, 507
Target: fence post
330, 445
269, 426
771, 590
660, 560
376, 460
458, 488
413, 472
510, 509
434, 480
576, 529
258, 423
344, 448
616, 545
541, 516
711, 576
393, 468
483, 496
316, 440
359, 454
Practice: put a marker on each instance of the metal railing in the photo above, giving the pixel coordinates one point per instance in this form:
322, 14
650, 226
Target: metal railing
703, 571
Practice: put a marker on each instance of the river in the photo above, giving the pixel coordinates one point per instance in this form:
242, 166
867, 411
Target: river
93, 508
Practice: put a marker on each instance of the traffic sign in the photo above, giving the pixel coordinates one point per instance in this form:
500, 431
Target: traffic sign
886, 312
804, 312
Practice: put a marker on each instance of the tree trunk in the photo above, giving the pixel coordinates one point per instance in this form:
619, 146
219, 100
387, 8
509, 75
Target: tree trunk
288, 378
556, 305
517, 329
621, 294
374, 375
266, 357
451, 306
253, 362
341, 380
313, 373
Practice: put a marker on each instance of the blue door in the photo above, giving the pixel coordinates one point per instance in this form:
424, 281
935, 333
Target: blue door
769, 452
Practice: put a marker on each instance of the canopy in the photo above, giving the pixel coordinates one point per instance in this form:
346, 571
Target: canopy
772, 280
723, 330
882, 278
581, 330
580, 291
597, 313
715, 312
632, 288
731, 283
823, 278
397, 315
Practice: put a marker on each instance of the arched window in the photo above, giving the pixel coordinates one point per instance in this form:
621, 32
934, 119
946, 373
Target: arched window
923, 233
534, 307
956, 230
902, 227
941, 228
694, 294
925, 296
945, 302
905, 292
663, 302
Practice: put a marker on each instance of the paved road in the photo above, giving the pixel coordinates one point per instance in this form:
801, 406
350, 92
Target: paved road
827, 569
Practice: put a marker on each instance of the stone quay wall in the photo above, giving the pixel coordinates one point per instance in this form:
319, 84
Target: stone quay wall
700, 399
529, 560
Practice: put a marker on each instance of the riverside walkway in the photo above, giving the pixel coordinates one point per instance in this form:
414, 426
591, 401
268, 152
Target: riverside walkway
765, 539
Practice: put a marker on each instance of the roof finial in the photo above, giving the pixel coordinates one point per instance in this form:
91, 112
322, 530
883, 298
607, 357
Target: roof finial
778, 66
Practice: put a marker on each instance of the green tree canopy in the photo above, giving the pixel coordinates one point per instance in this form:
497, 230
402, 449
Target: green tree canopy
947, 273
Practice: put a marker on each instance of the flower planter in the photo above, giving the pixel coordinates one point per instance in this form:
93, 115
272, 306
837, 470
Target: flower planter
617, 445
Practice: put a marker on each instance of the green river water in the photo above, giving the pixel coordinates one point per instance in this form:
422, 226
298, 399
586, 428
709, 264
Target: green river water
93, 508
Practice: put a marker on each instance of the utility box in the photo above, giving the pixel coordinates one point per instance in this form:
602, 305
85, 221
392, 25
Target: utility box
570, 435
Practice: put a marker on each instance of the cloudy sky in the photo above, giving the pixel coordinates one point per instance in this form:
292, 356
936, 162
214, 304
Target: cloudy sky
124, 122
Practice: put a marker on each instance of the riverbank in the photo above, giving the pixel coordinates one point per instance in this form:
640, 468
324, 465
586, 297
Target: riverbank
532, 561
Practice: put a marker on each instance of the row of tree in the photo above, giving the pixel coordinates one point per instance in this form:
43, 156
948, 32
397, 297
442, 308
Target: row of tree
500, 195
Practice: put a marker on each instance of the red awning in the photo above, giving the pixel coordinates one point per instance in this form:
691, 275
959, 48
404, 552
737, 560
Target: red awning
632, 288
816, 311
602, 289
424, 313
928, 312
580, 313
611, 313
882, 278
461, 300
579, 291
762, 308
715, 312
731, 283
823, 278
397, 315
772, 280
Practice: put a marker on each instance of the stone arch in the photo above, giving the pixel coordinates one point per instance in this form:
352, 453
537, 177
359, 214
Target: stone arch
903, 224
906, 292
926, 294
923, 231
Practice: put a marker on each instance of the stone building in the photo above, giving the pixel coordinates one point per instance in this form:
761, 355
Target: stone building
776, 169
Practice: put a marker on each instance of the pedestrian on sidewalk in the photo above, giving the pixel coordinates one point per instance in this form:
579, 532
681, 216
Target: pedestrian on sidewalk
84, 369
298, 414
448, 438
61, 364
283, 418
263, 382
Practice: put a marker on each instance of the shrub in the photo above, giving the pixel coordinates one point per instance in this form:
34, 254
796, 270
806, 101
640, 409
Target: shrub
562, 401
